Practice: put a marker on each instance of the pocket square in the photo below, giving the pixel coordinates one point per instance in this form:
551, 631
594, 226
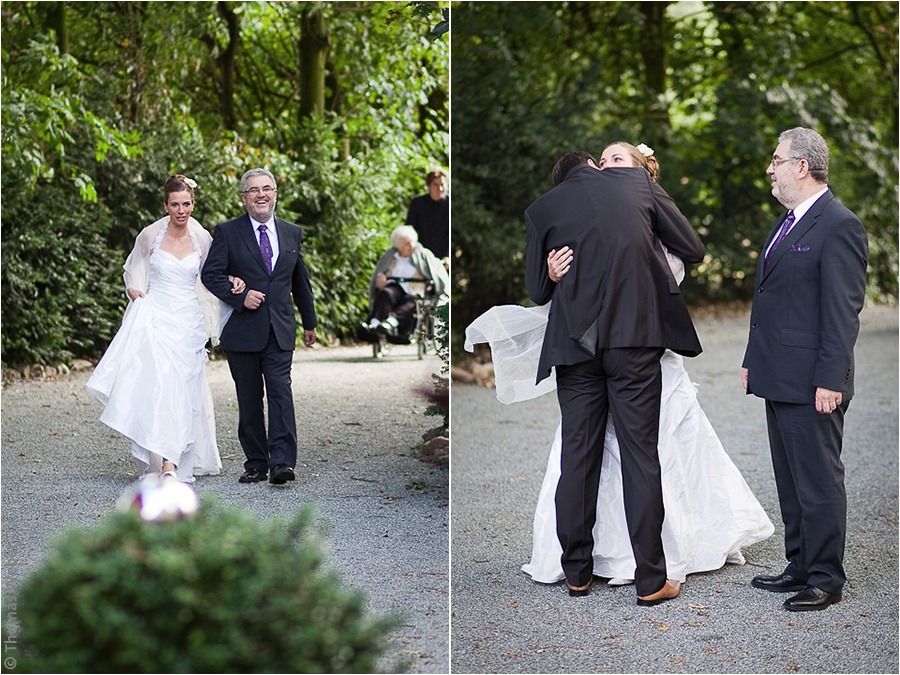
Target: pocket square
800, 249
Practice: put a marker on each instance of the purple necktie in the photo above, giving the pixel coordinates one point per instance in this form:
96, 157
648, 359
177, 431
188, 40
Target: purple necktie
266, 248
785, 228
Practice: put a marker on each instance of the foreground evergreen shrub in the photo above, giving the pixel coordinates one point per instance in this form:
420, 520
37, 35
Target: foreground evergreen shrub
219, 592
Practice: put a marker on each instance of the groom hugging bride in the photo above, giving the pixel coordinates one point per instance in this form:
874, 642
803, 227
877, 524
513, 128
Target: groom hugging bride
615, 333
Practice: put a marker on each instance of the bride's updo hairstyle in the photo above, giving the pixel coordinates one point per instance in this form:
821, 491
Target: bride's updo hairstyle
178, 183
641, 160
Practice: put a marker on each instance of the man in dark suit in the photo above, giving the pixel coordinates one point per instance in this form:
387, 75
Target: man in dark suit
810, 288
612, 317
429, 214
260, 335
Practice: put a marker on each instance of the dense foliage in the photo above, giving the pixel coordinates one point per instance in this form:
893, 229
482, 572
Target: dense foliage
346, 102
708, 85
439, 395
221, 592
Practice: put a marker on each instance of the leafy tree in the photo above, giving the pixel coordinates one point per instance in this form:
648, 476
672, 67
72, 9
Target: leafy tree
56, 264
107, 99
708, 85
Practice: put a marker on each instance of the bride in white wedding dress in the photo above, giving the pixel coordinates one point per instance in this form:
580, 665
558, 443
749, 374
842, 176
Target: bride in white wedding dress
152, 378
710, 512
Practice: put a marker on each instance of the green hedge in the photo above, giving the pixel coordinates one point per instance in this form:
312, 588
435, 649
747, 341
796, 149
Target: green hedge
220, 592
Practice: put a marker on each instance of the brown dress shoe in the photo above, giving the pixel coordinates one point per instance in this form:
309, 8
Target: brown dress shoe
670, 590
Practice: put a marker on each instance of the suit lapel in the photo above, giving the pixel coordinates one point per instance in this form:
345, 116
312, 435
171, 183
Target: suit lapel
249, 237
801, 227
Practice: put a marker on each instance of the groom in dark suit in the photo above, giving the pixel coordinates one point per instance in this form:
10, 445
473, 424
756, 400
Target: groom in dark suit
260, 335
810, 288
612, 317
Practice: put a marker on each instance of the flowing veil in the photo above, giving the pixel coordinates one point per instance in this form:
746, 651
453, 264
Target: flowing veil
516, 336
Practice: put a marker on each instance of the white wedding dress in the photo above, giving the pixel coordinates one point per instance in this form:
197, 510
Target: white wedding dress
710, 511
152, 378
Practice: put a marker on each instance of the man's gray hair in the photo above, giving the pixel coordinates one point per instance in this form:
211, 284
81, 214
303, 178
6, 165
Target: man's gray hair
257, 172
809, 145
403, 233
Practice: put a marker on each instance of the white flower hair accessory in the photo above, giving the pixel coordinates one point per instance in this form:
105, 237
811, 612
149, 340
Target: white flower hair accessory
191, 183
645, 150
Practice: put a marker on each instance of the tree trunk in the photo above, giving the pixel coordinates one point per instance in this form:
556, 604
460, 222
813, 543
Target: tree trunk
226, 65
337, 105
653, 53
134, 14
313, 54
56, 21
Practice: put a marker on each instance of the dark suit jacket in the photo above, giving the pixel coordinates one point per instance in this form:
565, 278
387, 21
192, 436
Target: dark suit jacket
805, 317
431, 219
235, 251
619, 291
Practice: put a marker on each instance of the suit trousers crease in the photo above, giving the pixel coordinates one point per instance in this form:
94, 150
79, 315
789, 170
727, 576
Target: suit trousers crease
809, 476
628, 384
258, 375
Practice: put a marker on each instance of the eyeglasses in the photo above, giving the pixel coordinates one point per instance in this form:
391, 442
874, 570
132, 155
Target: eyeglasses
265, 189
775, 163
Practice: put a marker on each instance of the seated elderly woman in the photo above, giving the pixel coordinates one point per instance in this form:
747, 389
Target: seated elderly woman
402, 274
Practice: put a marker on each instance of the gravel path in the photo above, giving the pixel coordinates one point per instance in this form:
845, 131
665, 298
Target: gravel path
502, 622
386, 511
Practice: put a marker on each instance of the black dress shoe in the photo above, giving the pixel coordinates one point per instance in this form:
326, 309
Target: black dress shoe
281, 474
783, 583
811, 599
579, 591
253, 476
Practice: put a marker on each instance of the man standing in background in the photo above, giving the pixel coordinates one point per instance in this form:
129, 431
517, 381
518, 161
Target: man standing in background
429, 214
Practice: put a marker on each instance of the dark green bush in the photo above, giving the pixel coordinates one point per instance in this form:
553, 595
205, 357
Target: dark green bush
221, 592
348, 209
62, 285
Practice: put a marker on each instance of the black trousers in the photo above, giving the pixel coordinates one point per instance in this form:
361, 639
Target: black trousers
392, 299
628, 384
258, 374
809, 474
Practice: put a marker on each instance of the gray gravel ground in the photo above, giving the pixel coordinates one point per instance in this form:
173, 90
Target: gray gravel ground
385, 510
502, 622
